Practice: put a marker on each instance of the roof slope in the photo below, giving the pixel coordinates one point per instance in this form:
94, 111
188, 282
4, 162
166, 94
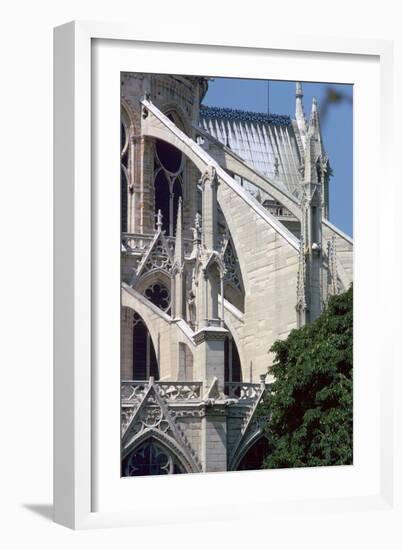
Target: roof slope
266, 142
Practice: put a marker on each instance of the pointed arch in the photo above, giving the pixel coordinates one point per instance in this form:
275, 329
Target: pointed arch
166, 442
232, 361
139, 359
169, 169
253, 453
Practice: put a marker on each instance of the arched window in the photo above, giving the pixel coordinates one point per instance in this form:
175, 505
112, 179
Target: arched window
162, 198
232, 367
151, 459
145, 362
168, 178
124, 155
254, 458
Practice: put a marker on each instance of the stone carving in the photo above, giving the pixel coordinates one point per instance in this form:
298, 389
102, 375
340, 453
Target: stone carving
179, 391
232, 274
333, 283
158, 259
153, 415
134, 392
243, 390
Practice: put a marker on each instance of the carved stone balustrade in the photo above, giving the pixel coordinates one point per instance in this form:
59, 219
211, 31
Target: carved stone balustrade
136, 242
133, 391
243, 390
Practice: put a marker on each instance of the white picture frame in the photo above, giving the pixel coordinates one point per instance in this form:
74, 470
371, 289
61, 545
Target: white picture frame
84, 496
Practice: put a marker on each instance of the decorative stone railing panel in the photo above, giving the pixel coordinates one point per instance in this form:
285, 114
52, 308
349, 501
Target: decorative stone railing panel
132, 392
243, 390
138, 243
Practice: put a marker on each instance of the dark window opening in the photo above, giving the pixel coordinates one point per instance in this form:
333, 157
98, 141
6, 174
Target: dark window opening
169, 156
254, 458
145, 362
162, 198
123, 209
160, 296
151, 459
232, 368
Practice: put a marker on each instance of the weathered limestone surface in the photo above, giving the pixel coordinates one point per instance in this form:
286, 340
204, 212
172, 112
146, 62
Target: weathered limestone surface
269, 266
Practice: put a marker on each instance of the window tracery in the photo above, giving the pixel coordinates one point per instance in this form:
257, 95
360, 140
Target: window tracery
168, 182
159, 295
232, 275
151, 459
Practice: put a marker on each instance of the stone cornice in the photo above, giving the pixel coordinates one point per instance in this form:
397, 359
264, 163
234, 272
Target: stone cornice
210, 333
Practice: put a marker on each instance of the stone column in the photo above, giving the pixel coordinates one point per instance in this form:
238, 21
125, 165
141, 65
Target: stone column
209, 183
209, 356
311, 223
214, 439
126, 344
147, 198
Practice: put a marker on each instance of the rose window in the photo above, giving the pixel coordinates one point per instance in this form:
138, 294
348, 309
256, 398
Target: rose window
160, 296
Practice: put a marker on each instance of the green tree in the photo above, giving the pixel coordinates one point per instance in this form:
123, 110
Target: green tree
310, 404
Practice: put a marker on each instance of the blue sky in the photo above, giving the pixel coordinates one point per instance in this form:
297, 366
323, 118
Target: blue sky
336, 126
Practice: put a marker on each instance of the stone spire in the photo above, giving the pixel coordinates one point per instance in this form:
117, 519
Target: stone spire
179, 252
299, 112
179, 257
310, 277
314, 128
159, 220
319, 157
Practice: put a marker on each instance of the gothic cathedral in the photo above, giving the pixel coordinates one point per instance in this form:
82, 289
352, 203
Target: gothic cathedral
226, 246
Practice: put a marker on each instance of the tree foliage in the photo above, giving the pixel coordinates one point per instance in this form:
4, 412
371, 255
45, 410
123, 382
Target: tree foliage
310, 404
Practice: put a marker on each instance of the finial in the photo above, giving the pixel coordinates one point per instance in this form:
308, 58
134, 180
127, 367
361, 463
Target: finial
159, 220
198, 221
197, 228
298, 90
179, 253
179, 216
314, 115
179, 207
299, 111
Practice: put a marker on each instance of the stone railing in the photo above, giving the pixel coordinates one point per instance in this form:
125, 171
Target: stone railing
135, 243
133, 391
180, 391
243, 390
